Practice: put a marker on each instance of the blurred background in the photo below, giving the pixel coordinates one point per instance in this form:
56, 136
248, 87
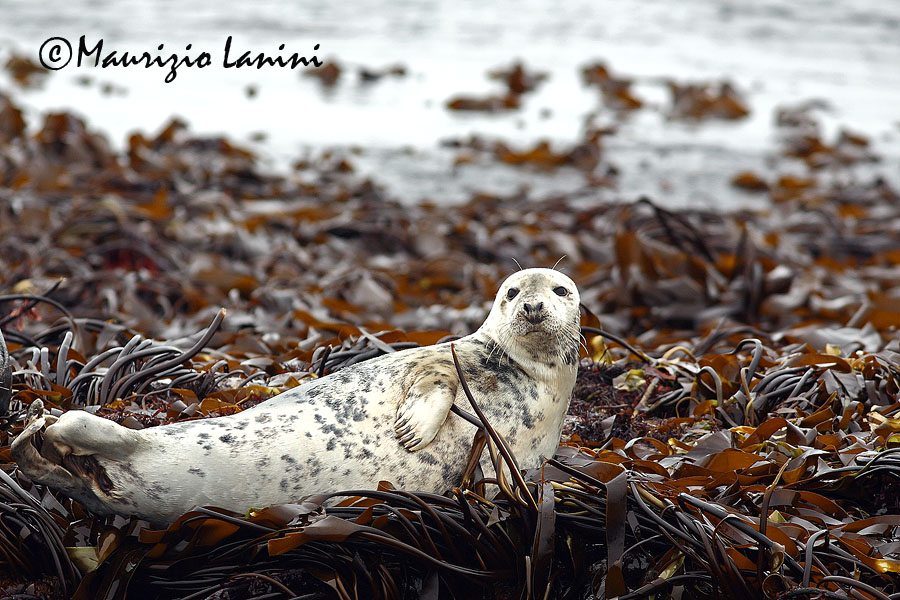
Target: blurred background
694, 161
401, 64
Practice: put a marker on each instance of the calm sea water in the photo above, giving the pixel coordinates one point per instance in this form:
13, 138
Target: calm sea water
775, 52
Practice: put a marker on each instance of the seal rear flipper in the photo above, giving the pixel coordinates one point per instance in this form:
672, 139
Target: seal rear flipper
69, 452
83, 434
426, 406
25, 451
79, 477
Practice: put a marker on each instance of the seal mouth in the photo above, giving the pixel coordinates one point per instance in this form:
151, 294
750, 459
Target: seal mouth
534, 327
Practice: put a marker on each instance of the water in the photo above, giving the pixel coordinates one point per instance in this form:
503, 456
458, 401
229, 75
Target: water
775, 53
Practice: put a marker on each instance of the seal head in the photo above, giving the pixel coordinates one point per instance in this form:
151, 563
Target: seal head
534, 324
536, 320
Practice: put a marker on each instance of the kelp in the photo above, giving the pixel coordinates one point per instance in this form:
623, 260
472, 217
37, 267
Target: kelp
696, 101
616, 91
518, 81
734, 427
674, 508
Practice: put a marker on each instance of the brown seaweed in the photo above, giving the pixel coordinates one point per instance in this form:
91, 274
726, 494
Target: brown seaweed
734, 430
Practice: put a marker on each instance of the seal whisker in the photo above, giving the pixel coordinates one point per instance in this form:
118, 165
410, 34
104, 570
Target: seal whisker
507, 338
495, 346
561, 346
503, 334
561, 258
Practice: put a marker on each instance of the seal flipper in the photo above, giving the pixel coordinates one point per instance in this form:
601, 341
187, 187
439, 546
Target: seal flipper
426, 406
25, 450
62, 453
81, 433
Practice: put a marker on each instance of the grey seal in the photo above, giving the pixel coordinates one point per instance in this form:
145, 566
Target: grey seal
387, 418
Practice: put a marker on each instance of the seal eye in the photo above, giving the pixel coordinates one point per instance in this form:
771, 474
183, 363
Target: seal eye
561, 291
512, 293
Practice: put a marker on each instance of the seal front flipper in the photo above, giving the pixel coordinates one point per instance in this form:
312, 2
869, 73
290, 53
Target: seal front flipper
427, 405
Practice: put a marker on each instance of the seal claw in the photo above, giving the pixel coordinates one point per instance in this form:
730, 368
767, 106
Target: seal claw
35, 411
428, 401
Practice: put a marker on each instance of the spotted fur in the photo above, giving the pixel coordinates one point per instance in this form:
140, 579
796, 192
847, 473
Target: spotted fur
340, 431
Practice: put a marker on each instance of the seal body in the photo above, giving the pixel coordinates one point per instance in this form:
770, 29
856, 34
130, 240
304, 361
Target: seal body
384, 419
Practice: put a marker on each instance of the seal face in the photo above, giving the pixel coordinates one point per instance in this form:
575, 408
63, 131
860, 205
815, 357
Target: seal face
383, 419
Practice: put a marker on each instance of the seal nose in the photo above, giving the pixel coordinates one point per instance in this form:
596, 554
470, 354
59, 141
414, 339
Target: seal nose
533, 308
534, 311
